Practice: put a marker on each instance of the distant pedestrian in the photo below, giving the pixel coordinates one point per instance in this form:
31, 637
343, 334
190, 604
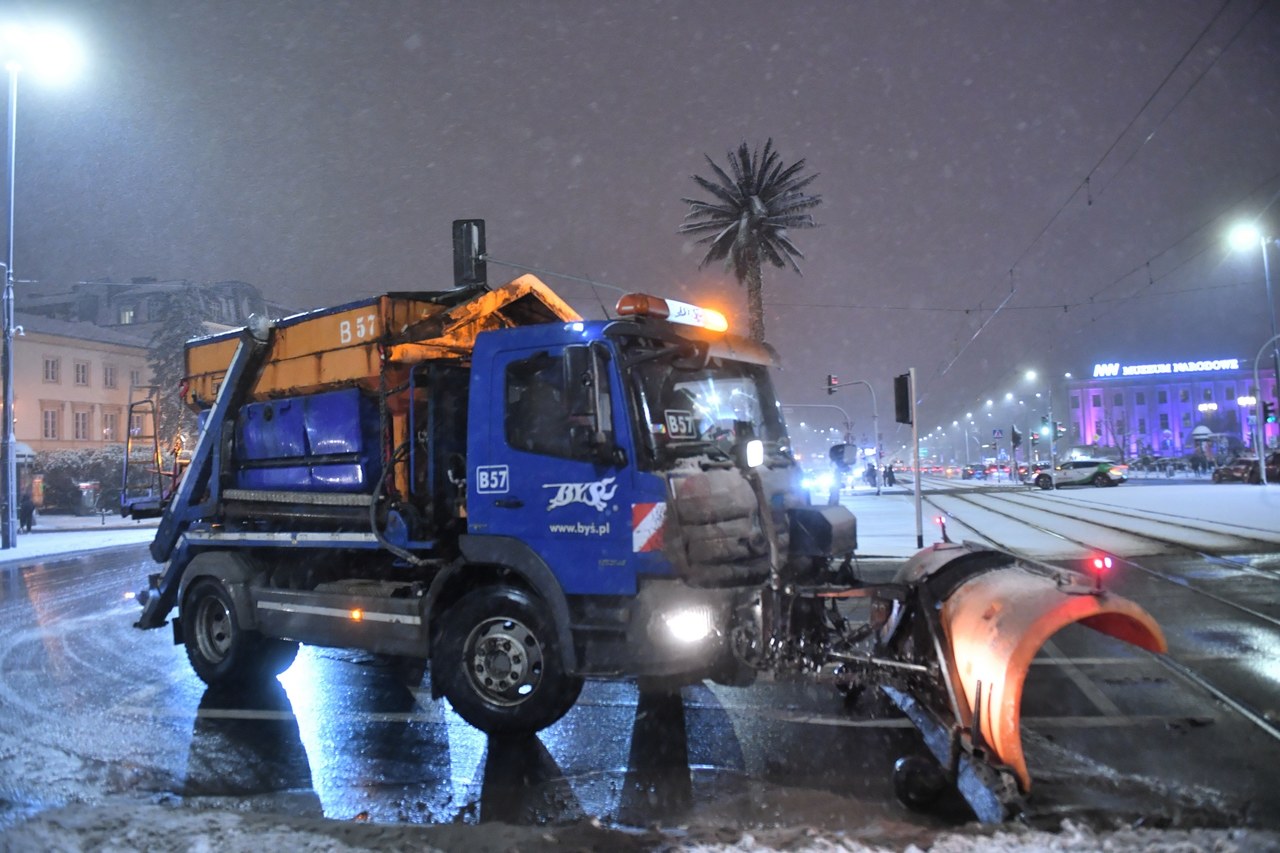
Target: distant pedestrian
26, 513
889, 479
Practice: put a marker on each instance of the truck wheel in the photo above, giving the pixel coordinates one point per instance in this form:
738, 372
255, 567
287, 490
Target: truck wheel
918, 782
220, 651
497, 661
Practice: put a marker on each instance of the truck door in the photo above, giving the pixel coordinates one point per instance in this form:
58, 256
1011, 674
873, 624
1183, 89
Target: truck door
544, 482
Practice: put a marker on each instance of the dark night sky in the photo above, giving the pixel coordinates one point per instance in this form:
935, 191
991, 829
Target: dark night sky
320, 150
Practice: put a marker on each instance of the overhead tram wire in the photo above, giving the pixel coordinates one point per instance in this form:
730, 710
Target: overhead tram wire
566, 276
1094, 299
1222, 52
1085, 183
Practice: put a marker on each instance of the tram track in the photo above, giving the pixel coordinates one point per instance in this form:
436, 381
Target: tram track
1182, 670
1189, 550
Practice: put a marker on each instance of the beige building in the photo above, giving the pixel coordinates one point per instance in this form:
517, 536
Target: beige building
71, 382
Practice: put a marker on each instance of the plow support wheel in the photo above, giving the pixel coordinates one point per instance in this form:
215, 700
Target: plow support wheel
998, 620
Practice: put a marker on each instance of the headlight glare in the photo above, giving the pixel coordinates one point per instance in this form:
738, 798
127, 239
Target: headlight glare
690, 625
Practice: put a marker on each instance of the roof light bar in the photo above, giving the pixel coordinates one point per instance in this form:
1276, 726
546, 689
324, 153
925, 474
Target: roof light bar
644, 305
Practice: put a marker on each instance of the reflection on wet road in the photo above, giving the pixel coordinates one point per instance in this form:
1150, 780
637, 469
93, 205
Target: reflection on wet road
90, 706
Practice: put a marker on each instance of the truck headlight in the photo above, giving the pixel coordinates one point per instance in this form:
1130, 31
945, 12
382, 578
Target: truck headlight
690, 624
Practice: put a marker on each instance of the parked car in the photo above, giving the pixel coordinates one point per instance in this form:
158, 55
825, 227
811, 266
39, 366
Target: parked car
1084, 472
1244, 469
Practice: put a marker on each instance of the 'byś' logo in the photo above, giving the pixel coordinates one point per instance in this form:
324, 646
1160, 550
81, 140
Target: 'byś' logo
595, 495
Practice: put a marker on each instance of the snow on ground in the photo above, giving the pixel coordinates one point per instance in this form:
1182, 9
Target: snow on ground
127, 827
887, 522
886, 527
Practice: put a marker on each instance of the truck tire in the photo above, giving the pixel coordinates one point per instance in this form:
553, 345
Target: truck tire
220, 651
497, 661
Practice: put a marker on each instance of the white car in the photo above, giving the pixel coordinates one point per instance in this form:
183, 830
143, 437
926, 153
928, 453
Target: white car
1084, 472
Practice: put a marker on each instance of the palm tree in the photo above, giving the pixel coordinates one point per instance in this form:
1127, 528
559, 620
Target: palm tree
754, 205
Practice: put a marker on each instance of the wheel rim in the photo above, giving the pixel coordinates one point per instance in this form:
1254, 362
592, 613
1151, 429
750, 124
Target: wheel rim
504, 661
214, 631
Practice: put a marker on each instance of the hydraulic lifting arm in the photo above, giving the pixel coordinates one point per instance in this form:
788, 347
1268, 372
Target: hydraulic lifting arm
199, 489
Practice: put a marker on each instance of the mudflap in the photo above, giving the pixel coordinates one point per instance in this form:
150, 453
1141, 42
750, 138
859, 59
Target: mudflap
980, 617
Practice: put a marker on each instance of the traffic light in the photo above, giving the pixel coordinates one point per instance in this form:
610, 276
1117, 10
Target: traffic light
1035, 439
1059, 429
1044, 421
1015, 437
1268, 412
902, 398
832, 382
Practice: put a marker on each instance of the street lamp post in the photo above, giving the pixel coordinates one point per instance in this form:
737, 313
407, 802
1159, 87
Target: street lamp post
1244, 237
9, 463
48, 50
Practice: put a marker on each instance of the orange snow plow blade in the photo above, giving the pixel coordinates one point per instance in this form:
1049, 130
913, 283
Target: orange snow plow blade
997, 621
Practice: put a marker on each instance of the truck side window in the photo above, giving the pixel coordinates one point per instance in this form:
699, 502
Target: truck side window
537, 413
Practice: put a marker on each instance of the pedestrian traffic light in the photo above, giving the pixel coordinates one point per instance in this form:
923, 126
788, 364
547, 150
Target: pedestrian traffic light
1014, 436
902, 398
1268, 412
832, 382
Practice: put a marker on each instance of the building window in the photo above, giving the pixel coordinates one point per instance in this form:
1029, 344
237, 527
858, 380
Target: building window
81, 369
1163, 397
1186, 420
1231, 393
1208, 394
49, 424
1142, 426
108, 376
1097, 400
135, 377
110, 426
52, 369
1140, 398
1184, 396
1164, 421
1097, 430
1075, 401
127, 315
1118, 400
136, 424
80, 426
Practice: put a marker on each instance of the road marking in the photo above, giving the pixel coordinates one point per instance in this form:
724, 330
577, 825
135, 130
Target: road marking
1091, 691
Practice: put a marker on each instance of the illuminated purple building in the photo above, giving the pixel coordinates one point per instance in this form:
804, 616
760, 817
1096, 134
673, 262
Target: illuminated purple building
1169, 408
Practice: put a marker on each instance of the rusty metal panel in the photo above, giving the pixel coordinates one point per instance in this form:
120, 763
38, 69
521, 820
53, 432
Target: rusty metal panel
344, 346
452, 333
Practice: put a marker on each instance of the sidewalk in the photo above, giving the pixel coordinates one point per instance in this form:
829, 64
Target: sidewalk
78, 534
887, 522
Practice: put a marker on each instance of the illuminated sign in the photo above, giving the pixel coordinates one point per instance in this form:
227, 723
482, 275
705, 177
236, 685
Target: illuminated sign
1115, 368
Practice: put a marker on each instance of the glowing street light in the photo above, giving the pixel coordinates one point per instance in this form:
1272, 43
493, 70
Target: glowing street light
1244, 237
49, 53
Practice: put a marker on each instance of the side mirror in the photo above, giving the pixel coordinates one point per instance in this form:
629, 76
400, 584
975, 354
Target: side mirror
581, 382
583, 367
841, 455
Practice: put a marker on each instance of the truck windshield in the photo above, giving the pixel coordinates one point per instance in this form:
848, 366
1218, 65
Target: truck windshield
690, 406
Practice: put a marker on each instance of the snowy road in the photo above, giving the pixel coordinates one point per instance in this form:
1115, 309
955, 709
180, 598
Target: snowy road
93, 711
